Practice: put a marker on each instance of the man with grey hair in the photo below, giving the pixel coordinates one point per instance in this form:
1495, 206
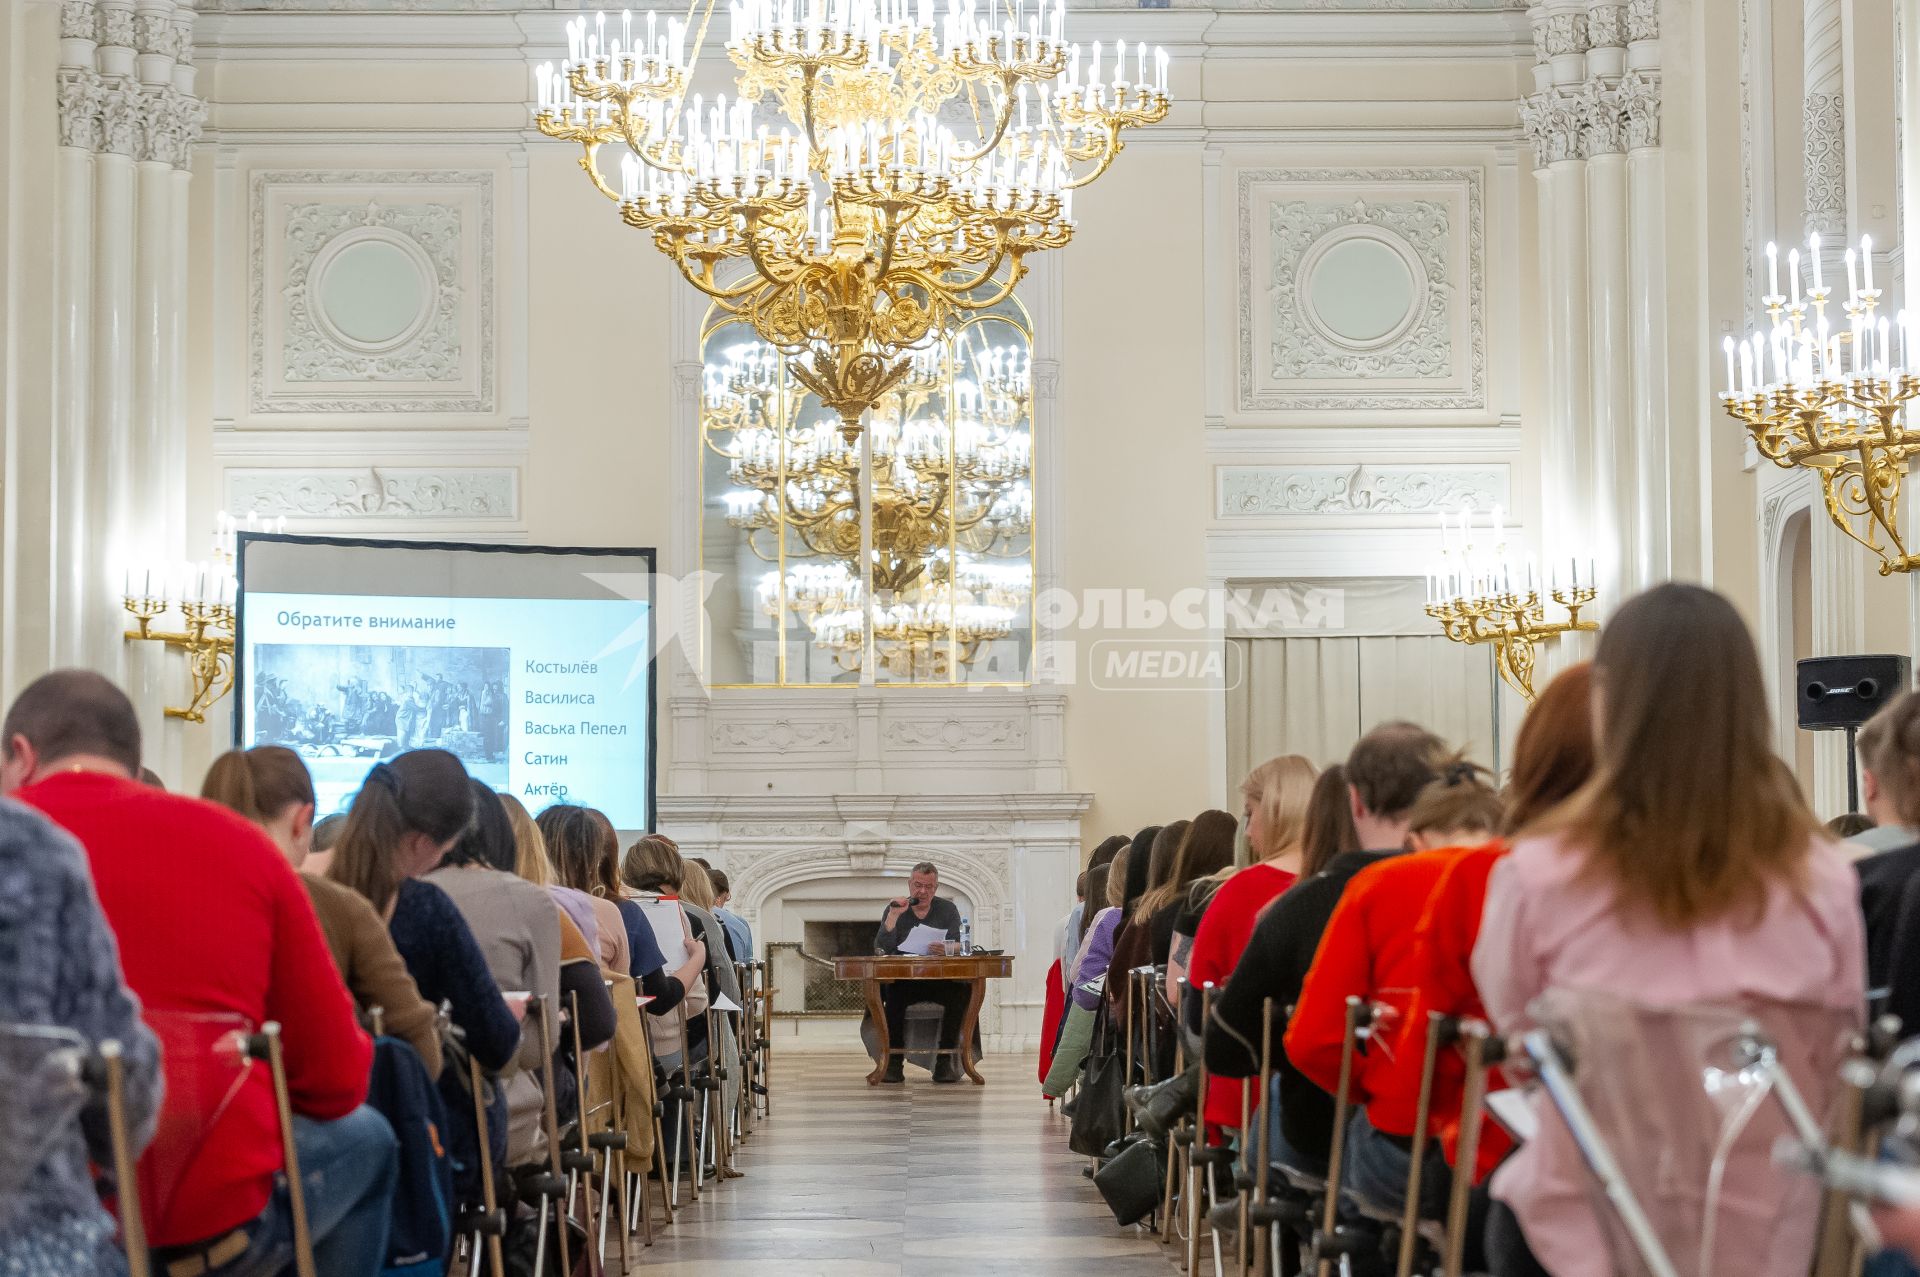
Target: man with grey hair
922, 906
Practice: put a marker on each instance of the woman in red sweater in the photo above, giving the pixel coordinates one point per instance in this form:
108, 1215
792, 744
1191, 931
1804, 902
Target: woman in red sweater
1276, 794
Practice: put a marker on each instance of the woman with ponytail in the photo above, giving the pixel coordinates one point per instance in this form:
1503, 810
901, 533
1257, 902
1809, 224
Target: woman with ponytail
270, 786
408, 814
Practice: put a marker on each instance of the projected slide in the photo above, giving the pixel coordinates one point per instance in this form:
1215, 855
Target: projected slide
543, 698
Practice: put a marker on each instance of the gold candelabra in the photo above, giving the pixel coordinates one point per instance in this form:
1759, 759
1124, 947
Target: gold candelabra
1515, 623
859, 226
206, 595
1482, 597
1834, 402
206, 639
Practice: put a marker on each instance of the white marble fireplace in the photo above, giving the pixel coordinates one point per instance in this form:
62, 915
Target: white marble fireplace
818, 801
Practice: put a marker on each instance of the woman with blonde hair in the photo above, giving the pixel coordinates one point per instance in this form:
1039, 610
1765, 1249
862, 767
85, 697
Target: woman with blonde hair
1212, 933
530, 862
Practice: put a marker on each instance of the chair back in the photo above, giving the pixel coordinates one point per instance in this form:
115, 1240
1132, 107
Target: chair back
45, 1067
206, 1065
1684, 1100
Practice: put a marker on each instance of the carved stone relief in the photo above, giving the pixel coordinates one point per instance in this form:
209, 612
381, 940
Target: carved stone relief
954, 734
1259, 492
375, 493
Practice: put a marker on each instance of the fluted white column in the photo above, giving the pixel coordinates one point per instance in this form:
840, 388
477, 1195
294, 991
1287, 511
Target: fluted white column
71, 535
1651, 558
1610, 526
1555, 117
118, 430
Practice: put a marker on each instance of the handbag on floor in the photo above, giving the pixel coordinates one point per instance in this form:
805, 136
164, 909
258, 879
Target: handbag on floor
1100, 1116
1130, 1183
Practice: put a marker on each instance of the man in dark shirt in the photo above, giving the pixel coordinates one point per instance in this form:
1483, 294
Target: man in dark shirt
921, 907
1386, 771
1884, 877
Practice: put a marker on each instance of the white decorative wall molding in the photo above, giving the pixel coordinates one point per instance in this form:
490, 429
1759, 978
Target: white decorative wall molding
783, 735
953, 735
1824, 158
377, 493
409, 255
1264, 492
1405, 245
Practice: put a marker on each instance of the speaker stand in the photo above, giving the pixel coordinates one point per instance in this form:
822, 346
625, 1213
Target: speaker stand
1853, 772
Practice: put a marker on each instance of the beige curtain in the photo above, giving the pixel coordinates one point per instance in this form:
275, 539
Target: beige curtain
1315, 694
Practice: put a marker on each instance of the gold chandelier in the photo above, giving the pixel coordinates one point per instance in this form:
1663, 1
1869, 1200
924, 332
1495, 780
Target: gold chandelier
951, 463
917, 162
1832, 397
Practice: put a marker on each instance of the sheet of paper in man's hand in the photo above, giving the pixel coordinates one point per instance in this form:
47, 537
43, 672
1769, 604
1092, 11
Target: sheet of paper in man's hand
921, 939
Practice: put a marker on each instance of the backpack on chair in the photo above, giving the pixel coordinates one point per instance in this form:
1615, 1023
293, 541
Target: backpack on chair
421, 1234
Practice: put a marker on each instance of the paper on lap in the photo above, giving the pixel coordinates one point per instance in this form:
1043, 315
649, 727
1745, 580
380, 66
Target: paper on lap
669, 925
1512, 1110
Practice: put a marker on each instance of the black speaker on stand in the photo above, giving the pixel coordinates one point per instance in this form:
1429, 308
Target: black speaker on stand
1836, 693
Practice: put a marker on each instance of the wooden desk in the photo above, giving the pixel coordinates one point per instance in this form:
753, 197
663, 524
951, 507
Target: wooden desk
877, 969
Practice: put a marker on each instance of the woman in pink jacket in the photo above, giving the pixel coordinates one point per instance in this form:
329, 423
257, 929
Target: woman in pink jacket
1686, 872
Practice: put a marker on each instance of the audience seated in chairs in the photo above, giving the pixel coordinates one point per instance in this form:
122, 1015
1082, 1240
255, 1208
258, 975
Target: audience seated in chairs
578, 845
271, 786
517, 926
60, 973
1105, 885
1369, 952
210, 918
408, 814
1386, 771
532, 862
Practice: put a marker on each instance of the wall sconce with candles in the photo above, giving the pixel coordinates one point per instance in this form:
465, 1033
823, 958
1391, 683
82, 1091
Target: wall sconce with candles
205, 595
1829, 394
1482, 595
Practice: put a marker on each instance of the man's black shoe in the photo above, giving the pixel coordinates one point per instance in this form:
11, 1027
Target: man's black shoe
896, 1071
946, 1069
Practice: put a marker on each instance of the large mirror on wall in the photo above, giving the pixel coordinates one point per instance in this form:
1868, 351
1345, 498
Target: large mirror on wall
938, 494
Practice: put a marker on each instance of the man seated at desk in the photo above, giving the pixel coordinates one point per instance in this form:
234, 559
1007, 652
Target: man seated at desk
922, 908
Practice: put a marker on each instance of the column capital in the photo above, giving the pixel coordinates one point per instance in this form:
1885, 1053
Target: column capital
1643, 20
1640, 100
1555, 122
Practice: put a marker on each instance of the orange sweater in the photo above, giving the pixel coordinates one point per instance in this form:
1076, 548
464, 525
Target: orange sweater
1369, 951
1449, 927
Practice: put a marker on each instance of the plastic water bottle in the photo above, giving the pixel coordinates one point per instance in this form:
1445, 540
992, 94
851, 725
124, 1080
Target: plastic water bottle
966, 937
